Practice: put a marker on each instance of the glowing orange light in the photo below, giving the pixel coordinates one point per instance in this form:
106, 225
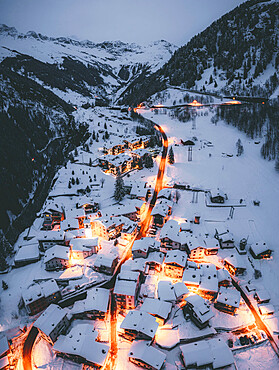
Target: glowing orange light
195, 103
263, 102
158, 106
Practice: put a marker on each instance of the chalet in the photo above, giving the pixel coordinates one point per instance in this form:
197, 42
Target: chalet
210, 354
192, 278
120, 163
157, 308
117, 148
89, 207
217, 196
195, 247
26, 254
199, 310
208, 287
154, 261
69, 224
224, 278
144, 355
137, 142
166, 291
171, 236
160, 213
175, 262
81, 345
94, 306
260, 250
134, 265
140, 191
52, 322
57, 257
228, 300
138, 325
106, 263
107, 228
129, 229
234, 265
84, 247
226, 240
142, 246
149, 288
52, 217
126, 289
141, 154
48, 239
166, 193
211, 246
37, 297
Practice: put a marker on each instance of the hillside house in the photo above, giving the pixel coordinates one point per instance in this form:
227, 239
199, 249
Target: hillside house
157, 308
37, 297
192, 278
57, 257
142, 246
115, 149
199, 310
161, 212
175, 262
171, 236
260, 250
224, 278
154, 262
107, 228
84, 247
82, 346
138, 325
208, 287
144, 355
52, 322
226, 241
166, 291
137, 142
217, 196
48, 239
120, 163
94, 306
106, 263
228, 300
126, 289
26, 254
235, 265
140, 190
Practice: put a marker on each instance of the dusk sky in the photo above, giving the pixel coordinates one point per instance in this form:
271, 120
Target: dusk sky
127, 20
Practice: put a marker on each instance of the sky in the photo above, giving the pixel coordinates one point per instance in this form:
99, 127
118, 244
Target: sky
142, 22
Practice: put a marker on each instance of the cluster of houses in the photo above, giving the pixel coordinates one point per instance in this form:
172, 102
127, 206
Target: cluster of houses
125, 156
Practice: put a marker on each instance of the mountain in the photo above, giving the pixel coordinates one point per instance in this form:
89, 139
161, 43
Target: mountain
80, 70
42, 79
237, 54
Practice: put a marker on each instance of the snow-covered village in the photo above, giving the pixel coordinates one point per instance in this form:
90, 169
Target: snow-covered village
145, 232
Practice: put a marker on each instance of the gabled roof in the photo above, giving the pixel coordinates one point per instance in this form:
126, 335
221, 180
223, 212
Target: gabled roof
235, 261
156, 307
201, 307
50, 318
176, 256
143, 351
140, 321
97, 300
166, 291
83, 244
191, 276
229, 296
259, 247
57, 251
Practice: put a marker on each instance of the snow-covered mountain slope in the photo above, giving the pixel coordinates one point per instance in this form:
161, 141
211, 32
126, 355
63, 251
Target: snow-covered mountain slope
99, 69
237, 54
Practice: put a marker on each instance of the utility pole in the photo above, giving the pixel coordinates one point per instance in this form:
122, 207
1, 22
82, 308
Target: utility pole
190, 153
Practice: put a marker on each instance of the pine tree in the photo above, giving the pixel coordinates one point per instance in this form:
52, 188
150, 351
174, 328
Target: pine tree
4, 285
171, 156
77, 181
277, 164
119, 191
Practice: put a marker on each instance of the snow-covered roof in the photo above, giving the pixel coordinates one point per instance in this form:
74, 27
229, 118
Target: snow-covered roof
223, 275
217, 193
81, 341
263, 295
235, 261
211, 243
57, 251
69, 223
229, 296
156, 307
165, 193
143, 244
171, 230
128, 276
155, 257
193, 242
160, 209
83, 244
28, 252
105, 260
137, 264
259, 247
139, 189
50, 318
142, 350
125, 287
97, 300
266, 309
180, 289
117, 160
52, 235
201, 307
213, 352
74, 213
176, 256
166, 291
4, 345
227, 237
140, 321
191, 276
